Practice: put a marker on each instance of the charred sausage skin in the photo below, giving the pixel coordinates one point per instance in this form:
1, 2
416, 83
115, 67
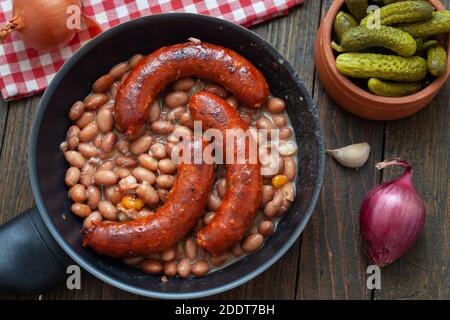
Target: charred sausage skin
224, 66
166, 227
244, 180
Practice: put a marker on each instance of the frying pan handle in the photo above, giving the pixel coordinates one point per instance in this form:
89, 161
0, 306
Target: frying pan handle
31, 261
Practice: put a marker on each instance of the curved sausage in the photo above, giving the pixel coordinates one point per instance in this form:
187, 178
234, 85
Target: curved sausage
244, 180
167, 226
204, 60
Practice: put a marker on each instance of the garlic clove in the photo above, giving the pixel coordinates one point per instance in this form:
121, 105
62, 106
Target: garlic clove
352, 156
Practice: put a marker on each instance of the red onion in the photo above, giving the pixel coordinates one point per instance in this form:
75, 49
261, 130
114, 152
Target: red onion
392, 216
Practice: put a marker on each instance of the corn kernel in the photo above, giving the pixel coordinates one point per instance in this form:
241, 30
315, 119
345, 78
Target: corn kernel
131, 202
279, 181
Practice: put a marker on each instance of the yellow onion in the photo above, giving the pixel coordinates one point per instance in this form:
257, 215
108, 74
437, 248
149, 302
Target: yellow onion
42, 24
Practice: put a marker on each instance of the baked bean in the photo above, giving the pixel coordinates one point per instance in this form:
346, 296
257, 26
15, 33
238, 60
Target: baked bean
94, 217
89, 132
148, 162
152, 266
106, 165
187, 120
158, 150
267, 194
128, 184
290, 168
285, 133
264, 123
88, 150
142, 174
122, 172
119, 70
221, 188
162, 127
97, 142
148, 194
216, 89
76, 111
165, 181
170, 269
175, 114
123, 217
95, 101
285, 205
184, 268
266, 228
134, 60
237, 250
113, 90
108, 142
182, 132
80, 209
214, 202
144, 213
102, 84
86, 118
169, 147
167, 166
72, 137
252, 242
112, 194
141, 145
123, 146
105, 177
219, 259
134, 261
200, 268
190, 249
176, 99
72, 176
209, 216
276, 105
74, 158
232, 101
271, 165
108, 210
154, 112
126, 162
279, 120
168, 255
272, 207
87, 175
184, 84
125, 76
93, 196
163, 195
105, 120
78, 193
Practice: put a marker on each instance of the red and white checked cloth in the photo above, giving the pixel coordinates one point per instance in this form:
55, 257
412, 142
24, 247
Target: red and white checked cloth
24, 71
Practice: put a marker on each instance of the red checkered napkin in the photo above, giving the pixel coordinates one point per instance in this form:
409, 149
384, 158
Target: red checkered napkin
24, 71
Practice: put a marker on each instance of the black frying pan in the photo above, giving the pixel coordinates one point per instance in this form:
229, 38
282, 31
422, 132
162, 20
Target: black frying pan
30, 258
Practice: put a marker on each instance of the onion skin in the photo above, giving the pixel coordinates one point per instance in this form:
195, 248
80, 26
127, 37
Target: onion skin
392, 217
42, 24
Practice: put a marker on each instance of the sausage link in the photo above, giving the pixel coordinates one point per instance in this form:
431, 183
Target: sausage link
158, 232
244, 181
203, 60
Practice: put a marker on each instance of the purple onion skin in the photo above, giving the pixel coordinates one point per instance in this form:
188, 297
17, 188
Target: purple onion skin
392, 217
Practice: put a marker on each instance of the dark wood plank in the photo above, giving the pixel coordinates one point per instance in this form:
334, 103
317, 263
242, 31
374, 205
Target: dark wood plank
3, 115
14, 180
423, 139
332, 265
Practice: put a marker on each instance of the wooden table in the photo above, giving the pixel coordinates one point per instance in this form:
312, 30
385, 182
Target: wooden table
327, 262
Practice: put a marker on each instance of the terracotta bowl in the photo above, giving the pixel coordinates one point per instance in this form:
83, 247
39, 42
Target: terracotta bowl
357, 100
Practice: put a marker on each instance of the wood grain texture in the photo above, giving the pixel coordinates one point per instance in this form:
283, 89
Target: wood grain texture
332, 265
423, 139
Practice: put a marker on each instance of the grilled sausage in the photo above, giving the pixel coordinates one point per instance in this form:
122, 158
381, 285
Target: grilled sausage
224, 66
158, 232
244, 181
